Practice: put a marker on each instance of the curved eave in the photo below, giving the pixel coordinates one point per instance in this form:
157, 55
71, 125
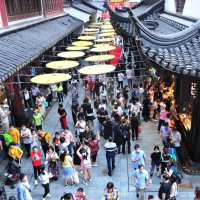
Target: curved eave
164, 40
149, 57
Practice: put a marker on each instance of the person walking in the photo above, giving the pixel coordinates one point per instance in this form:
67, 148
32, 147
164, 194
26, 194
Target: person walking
69, 136
40, 100
23, 188
129, 75
67, 166
111, 193
74, 109
4, 113
37, 119
120, 77
138, 156
134, 126
62, 116
80, 125
36, 157
165, 132
52, 159
59, 90
176, 139
45, 176
35, 91
15, 134
155, 162
27, 139
84, 154
165, 188
174, 187
27, 98
141, 179
44, 139
126, 135
110, 147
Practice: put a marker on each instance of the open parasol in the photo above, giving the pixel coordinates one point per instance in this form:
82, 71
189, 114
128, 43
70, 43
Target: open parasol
106, 27
90, 33
105, 40
63, 64
103, 49
107, 34
100, 58
82, 43
50, 79
97, 69
107, 30
91, 29
77, 48
102, 45
71, 54
86, 37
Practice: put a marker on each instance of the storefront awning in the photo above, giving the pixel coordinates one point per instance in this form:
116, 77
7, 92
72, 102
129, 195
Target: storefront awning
20, 47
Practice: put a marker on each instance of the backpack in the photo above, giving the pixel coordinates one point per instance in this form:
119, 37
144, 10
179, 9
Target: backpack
178, 176
43, 140
8, 138
124, 132
172, 154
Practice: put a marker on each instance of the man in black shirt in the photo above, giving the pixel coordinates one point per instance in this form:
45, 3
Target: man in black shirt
164, 190
74, 109
126, 133
102, 114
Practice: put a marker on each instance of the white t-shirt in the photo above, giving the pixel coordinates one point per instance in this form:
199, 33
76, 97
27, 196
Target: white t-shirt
26, 132
120, 76
82, 124
26, 95
3, 113
28, 195
129, 73
176, 136
141, 90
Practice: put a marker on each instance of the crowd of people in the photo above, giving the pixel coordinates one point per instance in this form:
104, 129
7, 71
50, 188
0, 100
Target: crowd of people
119, 112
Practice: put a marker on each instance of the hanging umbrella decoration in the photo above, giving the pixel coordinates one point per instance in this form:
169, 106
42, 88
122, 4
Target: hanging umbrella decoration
82, 43
62, 65
77, 48
102, 49
50, 79
71, 54
97, 69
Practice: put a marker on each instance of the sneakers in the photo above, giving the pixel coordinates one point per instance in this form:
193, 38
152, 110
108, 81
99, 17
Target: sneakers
90, 179
150, 180
48, 195
39, 178
158, 173
95, 165
85, 183
25, 109
36, 182
137, 195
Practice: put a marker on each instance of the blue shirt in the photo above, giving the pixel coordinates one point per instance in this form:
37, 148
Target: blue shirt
140, 156
35, 91
142, 176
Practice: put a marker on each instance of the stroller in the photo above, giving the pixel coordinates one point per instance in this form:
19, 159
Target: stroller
13, 172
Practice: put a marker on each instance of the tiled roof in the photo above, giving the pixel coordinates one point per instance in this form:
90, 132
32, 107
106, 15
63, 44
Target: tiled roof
98, 5
178, 52
20, 47
84, 8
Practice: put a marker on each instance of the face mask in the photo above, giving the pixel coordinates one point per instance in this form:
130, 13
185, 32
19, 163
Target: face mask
11, 129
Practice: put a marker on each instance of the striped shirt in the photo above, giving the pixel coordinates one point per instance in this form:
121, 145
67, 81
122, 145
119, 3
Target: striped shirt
110, 146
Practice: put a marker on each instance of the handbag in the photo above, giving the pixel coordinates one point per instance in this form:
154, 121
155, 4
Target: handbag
139, 130
75, 176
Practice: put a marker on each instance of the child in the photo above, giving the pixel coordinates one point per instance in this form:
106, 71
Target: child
56, 140
80, 194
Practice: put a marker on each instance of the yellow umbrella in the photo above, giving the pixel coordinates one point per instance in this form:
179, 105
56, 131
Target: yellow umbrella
71, 54
106, 20
97, 69
93, 26
82, 43
90, 33
106, 27
102, 45
107, 30
49, 79
105, 40
100, 58
77, 48
107, 34
86, 37
96, 23
103, 49
63, 64
91, 29
107, 23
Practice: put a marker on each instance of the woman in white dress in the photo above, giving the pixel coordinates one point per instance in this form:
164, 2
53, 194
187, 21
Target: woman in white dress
40, 104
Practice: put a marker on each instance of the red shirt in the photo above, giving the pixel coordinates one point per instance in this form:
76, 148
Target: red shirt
91, 84
36, 158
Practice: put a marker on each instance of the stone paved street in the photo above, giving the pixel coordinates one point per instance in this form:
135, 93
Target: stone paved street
123, 173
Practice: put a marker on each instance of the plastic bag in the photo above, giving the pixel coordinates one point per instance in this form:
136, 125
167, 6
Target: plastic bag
75, 176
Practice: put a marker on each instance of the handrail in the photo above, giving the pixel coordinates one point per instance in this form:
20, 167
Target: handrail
163, 40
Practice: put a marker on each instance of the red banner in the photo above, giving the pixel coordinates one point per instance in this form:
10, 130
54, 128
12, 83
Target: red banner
117, 53
114, 5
